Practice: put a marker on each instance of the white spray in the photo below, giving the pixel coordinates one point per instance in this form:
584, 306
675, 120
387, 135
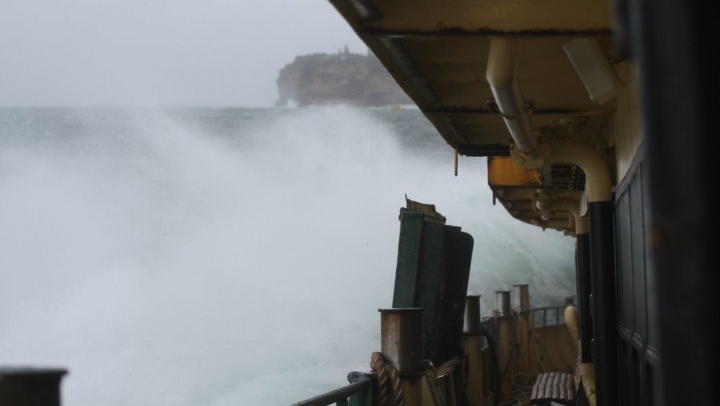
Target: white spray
167, 267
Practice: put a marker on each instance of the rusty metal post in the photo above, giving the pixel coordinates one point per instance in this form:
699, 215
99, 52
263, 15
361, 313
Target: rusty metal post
472, 343
521, 298
401, 341
472, 314
30, 386
504, 338
502, 304
521, 304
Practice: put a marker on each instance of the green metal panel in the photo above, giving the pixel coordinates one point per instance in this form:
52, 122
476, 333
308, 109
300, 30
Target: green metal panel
458, 255
430, 283
411, 226
432, 273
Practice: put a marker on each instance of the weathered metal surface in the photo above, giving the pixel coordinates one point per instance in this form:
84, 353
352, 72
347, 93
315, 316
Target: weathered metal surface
584, 290
400, 338
500, 16
432, 273
605, 327
472, 315
502, 302
451, 307
555, 349
482, 32
430, 287
30, 386
411, 226
521, 298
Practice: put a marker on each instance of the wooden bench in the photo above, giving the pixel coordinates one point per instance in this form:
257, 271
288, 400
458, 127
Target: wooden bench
554, 387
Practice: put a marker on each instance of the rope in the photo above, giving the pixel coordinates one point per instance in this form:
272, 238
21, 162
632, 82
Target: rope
522, 386
377, 364
399, 399
386, 373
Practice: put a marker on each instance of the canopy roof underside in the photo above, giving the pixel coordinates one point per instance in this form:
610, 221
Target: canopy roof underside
438, 52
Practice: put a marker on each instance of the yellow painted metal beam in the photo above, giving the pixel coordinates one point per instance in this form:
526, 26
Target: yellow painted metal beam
543, 17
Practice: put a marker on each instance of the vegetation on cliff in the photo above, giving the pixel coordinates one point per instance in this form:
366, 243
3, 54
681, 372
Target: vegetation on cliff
342, 78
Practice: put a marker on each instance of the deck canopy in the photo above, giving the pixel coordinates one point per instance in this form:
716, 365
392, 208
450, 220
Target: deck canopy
438, 51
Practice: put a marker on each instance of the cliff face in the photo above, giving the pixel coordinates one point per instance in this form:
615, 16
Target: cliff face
343, 78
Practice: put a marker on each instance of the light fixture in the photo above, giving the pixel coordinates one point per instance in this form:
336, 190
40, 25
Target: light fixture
600, 79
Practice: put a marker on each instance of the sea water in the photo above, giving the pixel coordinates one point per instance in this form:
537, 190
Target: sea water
198, 256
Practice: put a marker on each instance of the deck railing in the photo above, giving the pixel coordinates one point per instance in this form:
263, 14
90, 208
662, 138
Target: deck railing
360, 390
548, 316
357, 393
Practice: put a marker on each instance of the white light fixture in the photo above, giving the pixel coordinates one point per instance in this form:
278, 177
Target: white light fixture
600, 79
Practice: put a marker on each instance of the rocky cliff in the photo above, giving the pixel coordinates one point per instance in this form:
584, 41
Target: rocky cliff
342, 78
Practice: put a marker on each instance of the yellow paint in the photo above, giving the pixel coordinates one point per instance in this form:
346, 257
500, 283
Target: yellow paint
412, 392
555, 349
504, 342
587, 375
500, 15
503, 171
523, 341
471, 344
571, 321
426, 393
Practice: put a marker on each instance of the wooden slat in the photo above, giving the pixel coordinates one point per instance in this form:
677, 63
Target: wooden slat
543, 386
570, 387
556, 386
534, 394
563, 387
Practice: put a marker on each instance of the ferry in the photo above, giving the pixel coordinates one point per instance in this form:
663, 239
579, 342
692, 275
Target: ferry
594, 119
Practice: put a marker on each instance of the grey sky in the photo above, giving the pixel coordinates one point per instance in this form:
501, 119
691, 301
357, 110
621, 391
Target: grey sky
158, 52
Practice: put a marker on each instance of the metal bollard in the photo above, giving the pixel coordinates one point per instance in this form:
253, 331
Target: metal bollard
401, 342
30, 386
472, 315
523, 330
502, 298
521, 298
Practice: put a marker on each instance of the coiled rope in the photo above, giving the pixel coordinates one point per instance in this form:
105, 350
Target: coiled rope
388, 381
522, 385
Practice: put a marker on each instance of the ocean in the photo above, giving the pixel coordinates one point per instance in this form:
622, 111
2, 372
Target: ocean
228, 256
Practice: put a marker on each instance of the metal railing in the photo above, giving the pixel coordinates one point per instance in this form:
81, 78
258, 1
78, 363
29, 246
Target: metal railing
360, 390
357, 393
548, 316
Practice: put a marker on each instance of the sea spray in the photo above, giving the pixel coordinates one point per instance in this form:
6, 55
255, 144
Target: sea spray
226, 256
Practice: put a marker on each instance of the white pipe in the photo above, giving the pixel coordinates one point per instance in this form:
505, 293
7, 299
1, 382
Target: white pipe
567, 204
501, 67
572, 206
597, 174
